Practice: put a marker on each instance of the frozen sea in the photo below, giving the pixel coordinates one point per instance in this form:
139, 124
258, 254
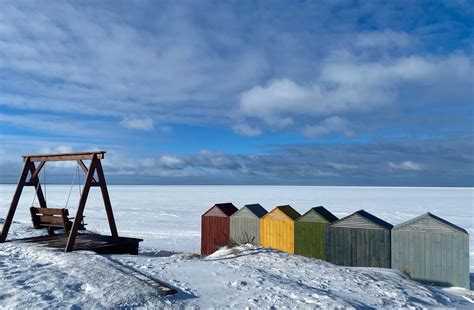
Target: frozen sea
168, 217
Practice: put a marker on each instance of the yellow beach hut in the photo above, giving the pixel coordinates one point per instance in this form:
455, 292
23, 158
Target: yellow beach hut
277, 229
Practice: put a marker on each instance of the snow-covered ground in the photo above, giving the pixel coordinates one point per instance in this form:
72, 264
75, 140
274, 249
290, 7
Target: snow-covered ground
168, 218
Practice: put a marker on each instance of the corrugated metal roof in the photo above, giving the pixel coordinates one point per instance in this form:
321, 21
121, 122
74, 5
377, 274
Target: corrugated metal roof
256, 209
372, 218
429, 215
227, 208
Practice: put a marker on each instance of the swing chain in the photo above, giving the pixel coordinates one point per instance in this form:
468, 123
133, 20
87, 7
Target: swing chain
38, 185
76, 175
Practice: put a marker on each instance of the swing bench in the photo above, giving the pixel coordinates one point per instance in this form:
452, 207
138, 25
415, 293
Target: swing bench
52, 219
58, 218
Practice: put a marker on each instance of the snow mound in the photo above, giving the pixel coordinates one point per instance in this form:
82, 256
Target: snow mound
230, 251
42, 278
249, 276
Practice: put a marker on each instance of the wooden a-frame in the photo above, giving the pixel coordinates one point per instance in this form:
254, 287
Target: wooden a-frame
30, 167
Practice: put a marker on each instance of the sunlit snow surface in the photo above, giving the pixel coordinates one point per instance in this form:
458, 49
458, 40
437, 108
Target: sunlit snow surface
168, 218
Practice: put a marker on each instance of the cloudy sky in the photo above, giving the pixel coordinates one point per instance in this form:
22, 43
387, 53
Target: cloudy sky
242, 92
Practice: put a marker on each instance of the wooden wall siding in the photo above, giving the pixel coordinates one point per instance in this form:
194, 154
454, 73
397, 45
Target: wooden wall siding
214, 233
358, 247
312, 216
244, 213
215, 211
356, 221
245, 229
277, 215
427, 224
310, 239
277, 229
432, 258
277, 234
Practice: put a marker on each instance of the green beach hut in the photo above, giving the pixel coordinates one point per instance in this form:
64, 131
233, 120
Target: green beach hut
310, 232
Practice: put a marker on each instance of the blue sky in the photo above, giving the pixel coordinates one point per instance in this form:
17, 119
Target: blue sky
242, 92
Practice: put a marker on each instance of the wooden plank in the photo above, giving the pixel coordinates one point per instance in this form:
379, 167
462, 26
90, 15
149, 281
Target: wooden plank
412, 239
81, 165
355, 242
450, 248
395, 246
457, 260
90, 242
64, 156
37, 170
437, 255
310, 239
81, 206
244, 230
48, 211
85, 170
36, 183
106, 198
327, 245
388, 249
359, 246
464, 276
215, 233
51, 219
15, 200
444, 256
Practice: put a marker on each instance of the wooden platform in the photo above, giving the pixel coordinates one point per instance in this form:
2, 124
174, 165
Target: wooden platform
90, 242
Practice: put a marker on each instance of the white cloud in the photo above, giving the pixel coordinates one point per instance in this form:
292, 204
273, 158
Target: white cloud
406, 165
170, 161
347, 84
278, 96
78, 59
85, 60
138, 123
247, 130
333, 124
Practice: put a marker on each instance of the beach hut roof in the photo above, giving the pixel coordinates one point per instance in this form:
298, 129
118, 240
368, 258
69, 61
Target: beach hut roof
323, 212
256, 209
413, 224
288, 211
222, 209
372, 219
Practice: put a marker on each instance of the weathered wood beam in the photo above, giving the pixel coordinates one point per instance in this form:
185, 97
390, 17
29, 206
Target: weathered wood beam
84, 168
15, 200
105, 196
37, 171
82, 203
34, 180
65, 156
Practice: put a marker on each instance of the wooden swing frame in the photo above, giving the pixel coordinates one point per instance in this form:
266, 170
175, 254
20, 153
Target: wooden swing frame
90, 181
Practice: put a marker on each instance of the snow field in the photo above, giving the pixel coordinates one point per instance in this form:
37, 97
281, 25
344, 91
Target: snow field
168, 218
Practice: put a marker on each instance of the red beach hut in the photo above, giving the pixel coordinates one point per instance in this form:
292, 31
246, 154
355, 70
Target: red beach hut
215, 227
